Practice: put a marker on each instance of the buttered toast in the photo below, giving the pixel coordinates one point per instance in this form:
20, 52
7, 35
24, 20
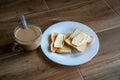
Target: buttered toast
58, 45
64, 43
79, 40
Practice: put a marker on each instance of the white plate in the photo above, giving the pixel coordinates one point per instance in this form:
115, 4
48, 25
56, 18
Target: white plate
74, 58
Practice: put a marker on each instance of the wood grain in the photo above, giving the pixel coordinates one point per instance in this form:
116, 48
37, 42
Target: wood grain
35, 66
62, 3
95, 14
106, 65
101, 15
115, 5
12, 8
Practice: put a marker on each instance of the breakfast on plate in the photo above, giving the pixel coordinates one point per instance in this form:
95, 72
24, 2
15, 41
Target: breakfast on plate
58, 43
65, 43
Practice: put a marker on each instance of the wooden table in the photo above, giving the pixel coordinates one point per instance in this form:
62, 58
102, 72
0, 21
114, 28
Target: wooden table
103, 16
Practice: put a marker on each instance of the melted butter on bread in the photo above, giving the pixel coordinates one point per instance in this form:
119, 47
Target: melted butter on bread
80, 39
59, 41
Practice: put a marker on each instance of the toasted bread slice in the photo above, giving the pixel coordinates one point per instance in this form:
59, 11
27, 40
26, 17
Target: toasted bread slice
79, 40
53, 37
57, 44
81, 48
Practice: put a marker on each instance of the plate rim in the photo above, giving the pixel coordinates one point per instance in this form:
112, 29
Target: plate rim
96, 51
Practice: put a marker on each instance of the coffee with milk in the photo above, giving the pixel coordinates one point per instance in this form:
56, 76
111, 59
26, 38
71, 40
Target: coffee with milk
30, 38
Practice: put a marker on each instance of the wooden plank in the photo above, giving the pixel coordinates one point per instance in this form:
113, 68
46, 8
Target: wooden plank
95, 14
11, 8
90, 13
35, 66
62, 3
7, 39
115, 5
106, 65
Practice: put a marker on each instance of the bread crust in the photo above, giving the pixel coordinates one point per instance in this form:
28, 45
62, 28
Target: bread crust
80, 48
64, 50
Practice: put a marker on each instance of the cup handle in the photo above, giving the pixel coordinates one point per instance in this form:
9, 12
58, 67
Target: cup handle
16, 47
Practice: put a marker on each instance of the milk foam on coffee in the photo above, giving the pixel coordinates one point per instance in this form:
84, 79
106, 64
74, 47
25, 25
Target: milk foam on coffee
28, 38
